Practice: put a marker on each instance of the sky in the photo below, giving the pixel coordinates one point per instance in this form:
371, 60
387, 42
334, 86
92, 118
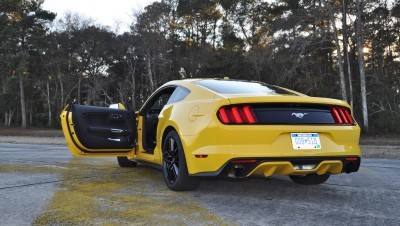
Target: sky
105, 12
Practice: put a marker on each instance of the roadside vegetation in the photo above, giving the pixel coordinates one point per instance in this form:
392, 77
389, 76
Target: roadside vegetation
341, 49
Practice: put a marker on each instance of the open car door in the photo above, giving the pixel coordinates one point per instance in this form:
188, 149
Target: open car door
92, 131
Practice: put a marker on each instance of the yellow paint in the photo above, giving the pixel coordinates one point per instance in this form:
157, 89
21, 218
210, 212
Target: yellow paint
196, 122
99, 192
28, 168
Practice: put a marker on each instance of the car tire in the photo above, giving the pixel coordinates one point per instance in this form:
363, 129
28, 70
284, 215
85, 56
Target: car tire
309, 179
125, 162
175, 170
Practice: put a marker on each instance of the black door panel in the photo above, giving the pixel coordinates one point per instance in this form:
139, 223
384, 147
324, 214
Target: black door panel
104, 128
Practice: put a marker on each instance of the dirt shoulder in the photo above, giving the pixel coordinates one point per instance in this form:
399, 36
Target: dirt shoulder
31, 136
380, 151
387, 147
31, 132
381, 140
32, 140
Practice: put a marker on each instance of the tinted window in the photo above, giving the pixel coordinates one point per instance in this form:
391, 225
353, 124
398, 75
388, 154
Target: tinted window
242, 87
161, 101
179, 94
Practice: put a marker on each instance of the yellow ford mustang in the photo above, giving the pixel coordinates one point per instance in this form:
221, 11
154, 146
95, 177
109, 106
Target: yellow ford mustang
220, 127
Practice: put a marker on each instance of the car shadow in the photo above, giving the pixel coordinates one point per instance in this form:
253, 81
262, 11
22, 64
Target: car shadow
274, 186
270, 188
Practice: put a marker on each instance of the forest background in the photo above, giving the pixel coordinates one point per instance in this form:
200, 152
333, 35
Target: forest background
345, 49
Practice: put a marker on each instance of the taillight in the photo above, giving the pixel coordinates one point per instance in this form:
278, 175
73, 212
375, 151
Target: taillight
342, 115
223, 115
351, 159
237, 115
249, 114
349, 117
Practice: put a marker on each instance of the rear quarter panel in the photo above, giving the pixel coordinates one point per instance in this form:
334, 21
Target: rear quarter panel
190, 116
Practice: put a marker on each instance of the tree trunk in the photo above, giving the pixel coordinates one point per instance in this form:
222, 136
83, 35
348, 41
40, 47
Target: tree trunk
5, 119
31, 113
22, 95
360, 47
49, 122
10, 115
339, 56
345, 50
78, 101
132, 72
3, 78
133, 88
149, 73
62, 104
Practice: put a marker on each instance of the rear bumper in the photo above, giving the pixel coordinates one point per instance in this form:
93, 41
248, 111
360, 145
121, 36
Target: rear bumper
222, 144
286, 166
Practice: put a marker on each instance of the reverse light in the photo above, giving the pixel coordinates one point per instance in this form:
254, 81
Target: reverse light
304, 167
236, 115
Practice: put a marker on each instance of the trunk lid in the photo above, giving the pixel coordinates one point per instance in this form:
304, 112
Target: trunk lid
243, 99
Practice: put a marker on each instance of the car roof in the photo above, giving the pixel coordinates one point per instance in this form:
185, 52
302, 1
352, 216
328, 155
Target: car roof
195, 83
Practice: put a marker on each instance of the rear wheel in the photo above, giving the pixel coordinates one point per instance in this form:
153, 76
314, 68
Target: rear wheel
309, 179
174, 165
125, 162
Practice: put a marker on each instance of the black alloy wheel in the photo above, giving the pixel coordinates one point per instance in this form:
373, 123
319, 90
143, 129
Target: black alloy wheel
174, 165
171, 160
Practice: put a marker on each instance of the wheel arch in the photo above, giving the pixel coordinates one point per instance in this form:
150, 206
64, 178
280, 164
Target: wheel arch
184, 181
168, 129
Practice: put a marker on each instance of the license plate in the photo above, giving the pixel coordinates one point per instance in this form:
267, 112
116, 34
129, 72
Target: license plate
305, 141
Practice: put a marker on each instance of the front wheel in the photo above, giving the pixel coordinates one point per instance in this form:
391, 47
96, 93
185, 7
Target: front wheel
309, 179
174, 165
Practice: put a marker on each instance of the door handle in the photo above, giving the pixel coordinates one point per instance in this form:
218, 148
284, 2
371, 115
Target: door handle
119, 131
116, 116
108, 130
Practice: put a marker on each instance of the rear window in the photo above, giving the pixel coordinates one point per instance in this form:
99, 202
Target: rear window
242, 87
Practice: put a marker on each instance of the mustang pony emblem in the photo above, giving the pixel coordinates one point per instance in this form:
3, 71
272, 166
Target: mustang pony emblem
299, 115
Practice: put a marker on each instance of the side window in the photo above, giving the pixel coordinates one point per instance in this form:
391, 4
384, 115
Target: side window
161, 101
179, 94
